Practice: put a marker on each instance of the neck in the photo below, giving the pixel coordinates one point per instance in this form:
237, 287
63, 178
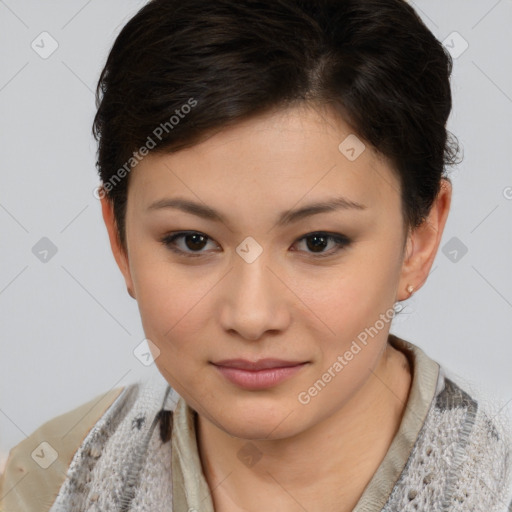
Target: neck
328, 465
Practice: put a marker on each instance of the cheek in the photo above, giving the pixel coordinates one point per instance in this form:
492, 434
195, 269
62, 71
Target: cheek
171, 305
171, 320
347, 297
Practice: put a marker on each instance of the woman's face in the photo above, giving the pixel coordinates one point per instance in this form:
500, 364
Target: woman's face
250, 286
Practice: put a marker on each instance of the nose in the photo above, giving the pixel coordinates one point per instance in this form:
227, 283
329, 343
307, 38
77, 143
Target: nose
255, 299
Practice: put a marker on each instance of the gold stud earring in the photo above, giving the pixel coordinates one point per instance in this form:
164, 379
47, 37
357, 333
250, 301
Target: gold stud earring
410, 289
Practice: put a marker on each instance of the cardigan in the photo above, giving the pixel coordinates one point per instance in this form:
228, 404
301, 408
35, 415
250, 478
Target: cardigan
451, 453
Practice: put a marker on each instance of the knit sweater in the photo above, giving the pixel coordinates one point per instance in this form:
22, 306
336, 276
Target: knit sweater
450, 453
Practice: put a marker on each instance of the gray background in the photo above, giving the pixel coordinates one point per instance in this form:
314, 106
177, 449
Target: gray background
69, 328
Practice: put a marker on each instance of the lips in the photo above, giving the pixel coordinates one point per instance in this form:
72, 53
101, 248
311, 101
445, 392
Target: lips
261, 364
258, 375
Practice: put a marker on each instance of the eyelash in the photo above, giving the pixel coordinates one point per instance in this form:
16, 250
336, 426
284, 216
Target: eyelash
340, 240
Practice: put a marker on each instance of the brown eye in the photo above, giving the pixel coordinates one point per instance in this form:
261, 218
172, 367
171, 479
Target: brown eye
194, 242
318, 241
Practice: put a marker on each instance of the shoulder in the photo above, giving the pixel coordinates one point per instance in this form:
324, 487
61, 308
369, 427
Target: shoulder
479, 436
37, 466
462, 459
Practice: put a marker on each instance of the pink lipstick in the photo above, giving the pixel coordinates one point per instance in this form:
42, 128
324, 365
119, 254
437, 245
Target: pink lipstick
261, 374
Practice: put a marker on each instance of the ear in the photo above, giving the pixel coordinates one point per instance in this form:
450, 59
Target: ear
120, 255
423, 243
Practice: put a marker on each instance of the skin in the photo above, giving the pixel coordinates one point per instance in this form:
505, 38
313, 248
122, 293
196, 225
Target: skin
285, 304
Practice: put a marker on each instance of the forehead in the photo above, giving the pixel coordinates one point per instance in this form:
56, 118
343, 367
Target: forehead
275, 158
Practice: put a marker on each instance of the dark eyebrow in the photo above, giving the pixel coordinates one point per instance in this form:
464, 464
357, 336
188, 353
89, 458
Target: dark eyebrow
285, 218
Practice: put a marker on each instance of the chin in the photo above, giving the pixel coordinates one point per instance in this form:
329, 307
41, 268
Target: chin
265, 431
257, 422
